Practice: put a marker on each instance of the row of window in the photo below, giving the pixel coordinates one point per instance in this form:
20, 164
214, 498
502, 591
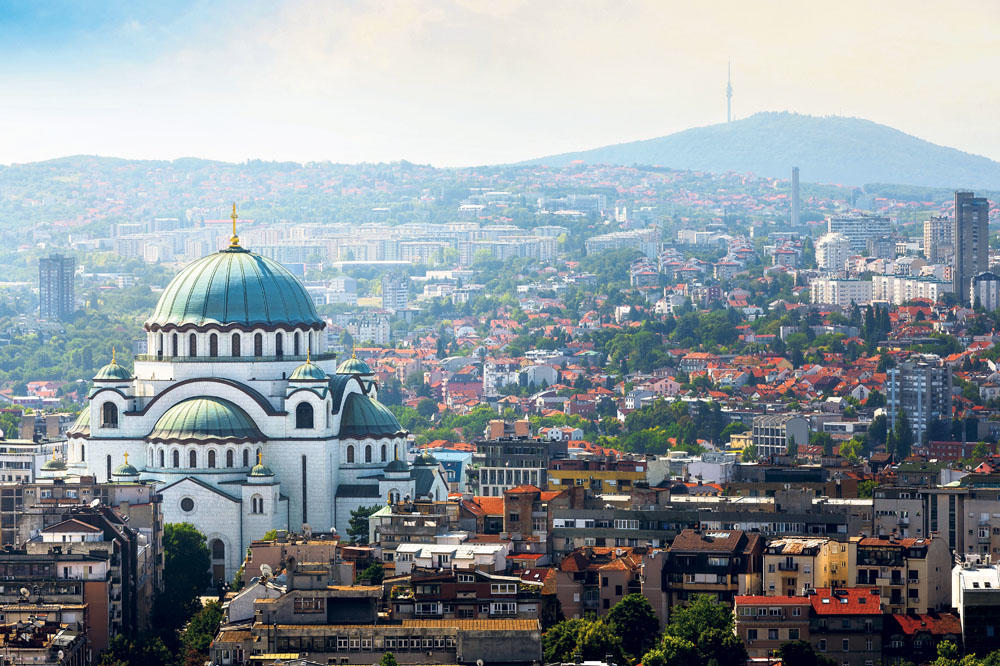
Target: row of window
235, 345
369, 453
341, 643
303, 416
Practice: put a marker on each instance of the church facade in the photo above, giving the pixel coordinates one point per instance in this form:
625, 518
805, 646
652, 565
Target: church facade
241, 418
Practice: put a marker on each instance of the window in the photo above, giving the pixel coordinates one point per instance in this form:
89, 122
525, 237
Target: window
175, 344
192, 345
821, 646
751, 634
846, 645
192, 459
236, 344
279, 345
187, 504
796, 612
503, 608
466, 578
383, 453
161, 457
211, 459
503, 588
793, 634
176, 459
350, 453
772, 634
368, 453
258, 345
213, 345
109, 415
295, 344
514, 518
309, 605
304, 416
230, 458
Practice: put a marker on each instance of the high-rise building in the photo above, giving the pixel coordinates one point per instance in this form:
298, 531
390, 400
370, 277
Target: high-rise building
395, 291
971, 235
55, 287
938, 240
859, 228
921, 388
795, 197
985, 291
832, 251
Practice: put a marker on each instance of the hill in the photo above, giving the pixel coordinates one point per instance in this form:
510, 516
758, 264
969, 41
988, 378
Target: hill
831, 149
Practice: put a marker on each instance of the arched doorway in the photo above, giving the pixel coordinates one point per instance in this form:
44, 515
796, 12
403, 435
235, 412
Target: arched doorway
218, 551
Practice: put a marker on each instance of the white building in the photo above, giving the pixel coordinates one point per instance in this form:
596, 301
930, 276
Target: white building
491, 557
985, 291
898, 290
840, 292
859, 228
832, 252
241, 417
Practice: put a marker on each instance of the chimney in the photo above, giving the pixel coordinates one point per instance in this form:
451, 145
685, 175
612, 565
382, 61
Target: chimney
27, 427
52, 426
495, 429
522, 428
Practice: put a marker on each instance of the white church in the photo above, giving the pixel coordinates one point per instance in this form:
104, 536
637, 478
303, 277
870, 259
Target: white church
241, 418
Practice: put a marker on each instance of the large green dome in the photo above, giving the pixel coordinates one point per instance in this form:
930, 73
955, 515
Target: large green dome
236, 288
354, 366
203, 420
364, 417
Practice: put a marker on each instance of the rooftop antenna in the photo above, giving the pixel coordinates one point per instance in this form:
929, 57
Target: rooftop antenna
729, 92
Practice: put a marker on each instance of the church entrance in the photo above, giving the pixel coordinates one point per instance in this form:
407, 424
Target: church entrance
218, 550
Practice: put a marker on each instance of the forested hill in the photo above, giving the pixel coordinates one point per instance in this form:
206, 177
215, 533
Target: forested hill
831, 149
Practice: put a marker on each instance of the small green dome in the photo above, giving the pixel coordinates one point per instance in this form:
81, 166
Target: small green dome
307, 372
366, 417
205, 419
426, 459
82, 424
354, 366
113, 372
125, 469
260, 469
54, 464
397, 466
234, 287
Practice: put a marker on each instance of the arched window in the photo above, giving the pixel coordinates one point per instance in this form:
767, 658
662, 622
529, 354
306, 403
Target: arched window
230, 458
304, 416
175, 344
192, 459
256, 504
236, 344
176, 459
109, 415
368, 453
211, 459
159, 346
218, 549
149, 456
296, 344
246, 457
383, 453
350, 453
279, 345
192, 345
213, 345
161, 458
258, 345
83, 453
107, 463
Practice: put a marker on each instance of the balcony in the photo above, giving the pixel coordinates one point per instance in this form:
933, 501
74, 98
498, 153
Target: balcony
788, 566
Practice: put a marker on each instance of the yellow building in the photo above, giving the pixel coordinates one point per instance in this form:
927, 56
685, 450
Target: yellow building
795, 564
912, 575
740, 441
601, 476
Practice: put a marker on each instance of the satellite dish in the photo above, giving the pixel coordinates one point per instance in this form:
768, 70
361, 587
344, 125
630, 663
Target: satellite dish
61, 655
94, 503
265, 570
24, 592
479, 662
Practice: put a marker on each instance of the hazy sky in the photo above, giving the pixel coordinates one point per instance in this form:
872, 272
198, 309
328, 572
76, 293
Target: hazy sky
454, 82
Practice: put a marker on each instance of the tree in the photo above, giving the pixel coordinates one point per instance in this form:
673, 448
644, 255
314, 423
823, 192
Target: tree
125, 650
388, 659
559, 642
875, 400
185, 576
799, 653
823, 439
597, 642
721, 647
199, 633
980, 451
427, 408
704, 612
749, 453
904, 435
672, 650
373, 574
635, 622
792, 447
357, 526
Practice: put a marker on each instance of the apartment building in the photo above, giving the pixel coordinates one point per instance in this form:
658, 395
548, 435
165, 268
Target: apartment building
910, 574
725, 563
464, 595
899, 289
794, 565
921, 388
839, 292
509, 459
845, 625
764, 623
832, 251
772, 432
593, 580
858, 228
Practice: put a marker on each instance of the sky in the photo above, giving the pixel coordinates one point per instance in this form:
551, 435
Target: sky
469, 82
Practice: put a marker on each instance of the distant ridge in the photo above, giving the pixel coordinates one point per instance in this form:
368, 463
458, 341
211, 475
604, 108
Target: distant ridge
830, 149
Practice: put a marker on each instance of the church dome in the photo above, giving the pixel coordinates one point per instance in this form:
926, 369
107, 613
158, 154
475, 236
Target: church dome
260, 469
426, 459
113, 372
205, 419
365, 417
397, 466
354, 366
234, 288
125, 469
307, 372
81, 426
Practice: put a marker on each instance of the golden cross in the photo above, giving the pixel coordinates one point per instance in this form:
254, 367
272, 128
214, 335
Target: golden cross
235, 240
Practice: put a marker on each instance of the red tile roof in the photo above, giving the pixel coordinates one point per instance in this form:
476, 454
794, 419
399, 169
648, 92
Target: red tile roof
846, 601
761, 600
938, 624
